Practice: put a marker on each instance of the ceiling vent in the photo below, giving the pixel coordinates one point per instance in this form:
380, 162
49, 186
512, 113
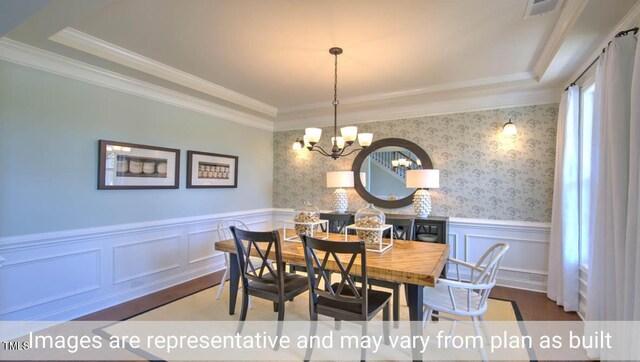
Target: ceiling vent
541, 7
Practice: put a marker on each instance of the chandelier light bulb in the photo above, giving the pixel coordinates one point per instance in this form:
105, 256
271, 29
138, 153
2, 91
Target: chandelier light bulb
339, 141
313, 135
365, 139
349, 133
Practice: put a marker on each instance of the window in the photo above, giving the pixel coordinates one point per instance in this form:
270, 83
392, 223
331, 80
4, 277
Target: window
586, 127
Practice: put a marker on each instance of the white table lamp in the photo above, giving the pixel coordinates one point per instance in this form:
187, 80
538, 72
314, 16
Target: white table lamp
340, 179
421, 180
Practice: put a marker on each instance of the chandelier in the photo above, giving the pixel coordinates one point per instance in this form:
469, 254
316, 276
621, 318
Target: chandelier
347, 136
404, 162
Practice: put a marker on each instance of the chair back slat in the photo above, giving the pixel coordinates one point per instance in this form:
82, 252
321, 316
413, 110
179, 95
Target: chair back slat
491, 260
224, 233
262, 244
346, 291
337, 222
402, 227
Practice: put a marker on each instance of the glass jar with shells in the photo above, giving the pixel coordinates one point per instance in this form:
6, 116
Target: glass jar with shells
306, 220
370, 226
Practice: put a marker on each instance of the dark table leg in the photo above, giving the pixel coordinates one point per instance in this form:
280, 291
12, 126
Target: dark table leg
234, 279
414, 296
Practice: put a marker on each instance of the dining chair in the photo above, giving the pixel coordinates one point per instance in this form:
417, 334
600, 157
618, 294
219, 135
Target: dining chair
337, 222
468, 297
342, 300
224, 233
402, 229
265, 281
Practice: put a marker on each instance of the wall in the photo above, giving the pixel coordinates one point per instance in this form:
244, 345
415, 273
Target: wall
482, 174
49, 132
68, 249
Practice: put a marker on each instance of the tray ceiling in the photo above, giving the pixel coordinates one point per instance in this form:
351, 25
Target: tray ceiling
271, 57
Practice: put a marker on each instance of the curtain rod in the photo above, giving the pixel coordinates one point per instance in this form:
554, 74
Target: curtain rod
622, 33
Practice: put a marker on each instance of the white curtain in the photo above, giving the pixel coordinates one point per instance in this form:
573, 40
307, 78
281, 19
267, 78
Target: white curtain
613, 291
564, 251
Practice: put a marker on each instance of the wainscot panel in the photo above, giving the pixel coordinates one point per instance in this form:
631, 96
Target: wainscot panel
68, 274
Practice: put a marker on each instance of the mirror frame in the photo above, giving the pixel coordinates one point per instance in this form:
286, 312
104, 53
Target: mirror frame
387, 142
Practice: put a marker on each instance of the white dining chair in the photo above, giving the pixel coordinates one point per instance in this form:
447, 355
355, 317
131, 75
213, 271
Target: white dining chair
225, 234
466, 298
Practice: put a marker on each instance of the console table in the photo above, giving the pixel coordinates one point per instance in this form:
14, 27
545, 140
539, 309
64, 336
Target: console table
433, 229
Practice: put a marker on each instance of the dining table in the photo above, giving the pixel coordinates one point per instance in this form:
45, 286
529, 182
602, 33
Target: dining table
413, 263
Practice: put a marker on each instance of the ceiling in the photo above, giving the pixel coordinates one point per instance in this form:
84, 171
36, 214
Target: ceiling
270, 59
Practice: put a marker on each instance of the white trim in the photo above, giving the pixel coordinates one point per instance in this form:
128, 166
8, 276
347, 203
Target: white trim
373, 98
40, 239
632, 19
19, 53
487, 100
567, 19
78, 40
503, 238
500, 224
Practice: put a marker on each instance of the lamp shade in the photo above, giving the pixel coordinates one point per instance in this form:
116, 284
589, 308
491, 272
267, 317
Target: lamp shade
340, 179
428, 179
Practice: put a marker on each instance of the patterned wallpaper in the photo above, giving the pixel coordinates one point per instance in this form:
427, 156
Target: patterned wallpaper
482, 173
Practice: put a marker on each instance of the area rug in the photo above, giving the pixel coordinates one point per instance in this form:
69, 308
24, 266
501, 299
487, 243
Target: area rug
203, 306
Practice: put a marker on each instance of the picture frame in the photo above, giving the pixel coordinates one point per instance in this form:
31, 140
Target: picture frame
211, 170
130, 166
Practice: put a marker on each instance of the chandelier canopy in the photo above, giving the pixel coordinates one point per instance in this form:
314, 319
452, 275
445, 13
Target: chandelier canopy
348, 135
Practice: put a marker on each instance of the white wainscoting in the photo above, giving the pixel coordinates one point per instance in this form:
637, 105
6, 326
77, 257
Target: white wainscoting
525, 264
68, 274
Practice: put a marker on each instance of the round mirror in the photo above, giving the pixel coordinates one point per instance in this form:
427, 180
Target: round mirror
382, 168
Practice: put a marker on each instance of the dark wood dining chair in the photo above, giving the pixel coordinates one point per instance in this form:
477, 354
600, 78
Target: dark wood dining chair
265, 281
337, 222
402, 227
342, 300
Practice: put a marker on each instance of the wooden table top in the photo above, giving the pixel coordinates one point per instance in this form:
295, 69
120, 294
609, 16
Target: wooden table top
412, 262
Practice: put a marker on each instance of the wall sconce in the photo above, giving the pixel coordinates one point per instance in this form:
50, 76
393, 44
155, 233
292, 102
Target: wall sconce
509, 129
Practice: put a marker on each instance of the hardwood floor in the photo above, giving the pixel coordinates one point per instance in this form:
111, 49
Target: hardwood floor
140, 305
533, 306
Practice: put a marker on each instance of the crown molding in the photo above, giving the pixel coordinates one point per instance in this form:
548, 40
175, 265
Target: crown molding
372, 98
26, 55
89, 44
485, 101
567, 19
631, 20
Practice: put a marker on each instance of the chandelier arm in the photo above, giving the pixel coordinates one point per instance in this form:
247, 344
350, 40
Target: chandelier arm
352, 151
320, 150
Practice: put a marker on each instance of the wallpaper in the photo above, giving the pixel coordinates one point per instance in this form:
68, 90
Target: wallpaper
483, 174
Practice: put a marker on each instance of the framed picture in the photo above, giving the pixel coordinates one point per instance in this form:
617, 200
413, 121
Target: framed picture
211, 170
131, 166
